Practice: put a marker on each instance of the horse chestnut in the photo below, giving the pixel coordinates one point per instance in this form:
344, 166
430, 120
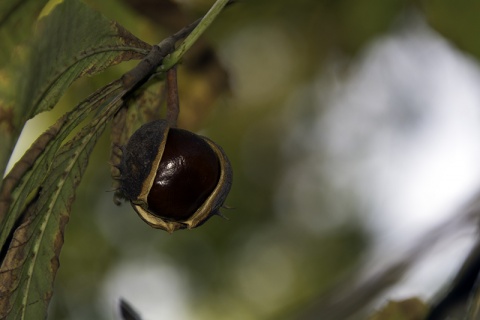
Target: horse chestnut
174, 178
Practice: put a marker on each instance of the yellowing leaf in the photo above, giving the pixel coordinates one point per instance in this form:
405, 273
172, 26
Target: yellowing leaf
410, 309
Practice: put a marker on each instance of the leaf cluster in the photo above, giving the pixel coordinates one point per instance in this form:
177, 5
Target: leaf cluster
56, 44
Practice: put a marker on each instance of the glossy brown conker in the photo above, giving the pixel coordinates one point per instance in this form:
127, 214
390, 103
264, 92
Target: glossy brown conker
174, 178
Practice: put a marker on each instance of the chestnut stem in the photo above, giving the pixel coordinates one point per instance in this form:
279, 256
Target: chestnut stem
209, 17
173, 107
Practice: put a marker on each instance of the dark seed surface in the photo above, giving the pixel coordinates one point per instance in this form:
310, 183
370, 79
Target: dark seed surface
188, 173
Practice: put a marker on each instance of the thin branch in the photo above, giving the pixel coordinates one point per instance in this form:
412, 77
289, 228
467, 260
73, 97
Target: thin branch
157, 57
209, 17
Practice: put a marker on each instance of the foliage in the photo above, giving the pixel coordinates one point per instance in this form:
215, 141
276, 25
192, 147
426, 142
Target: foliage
70, 41
47, 47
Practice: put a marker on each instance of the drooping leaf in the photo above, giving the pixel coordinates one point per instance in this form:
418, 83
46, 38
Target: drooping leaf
32, 224
17, 18
31, 262
71, 40
35, 206
37, 194
26, 177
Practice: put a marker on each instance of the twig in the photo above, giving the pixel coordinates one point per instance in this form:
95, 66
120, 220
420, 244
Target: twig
176, 56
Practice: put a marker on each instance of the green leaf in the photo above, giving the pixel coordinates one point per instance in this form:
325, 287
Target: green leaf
71, 40
37, 194
34, 166
32, 224
31, 262
17, 18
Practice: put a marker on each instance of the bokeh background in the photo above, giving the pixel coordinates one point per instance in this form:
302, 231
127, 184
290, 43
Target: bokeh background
353, 129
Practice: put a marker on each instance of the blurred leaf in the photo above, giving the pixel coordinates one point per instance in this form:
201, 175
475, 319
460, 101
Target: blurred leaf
31, 262
474, 310
17, 18
457, 21
71, 41
127, 311
355, 22
461, 296
410, 309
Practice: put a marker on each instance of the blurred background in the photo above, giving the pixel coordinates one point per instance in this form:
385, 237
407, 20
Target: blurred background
352, 127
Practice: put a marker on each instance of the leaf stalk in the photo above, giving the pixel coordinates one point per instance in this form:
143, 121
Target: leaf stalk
176, 56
